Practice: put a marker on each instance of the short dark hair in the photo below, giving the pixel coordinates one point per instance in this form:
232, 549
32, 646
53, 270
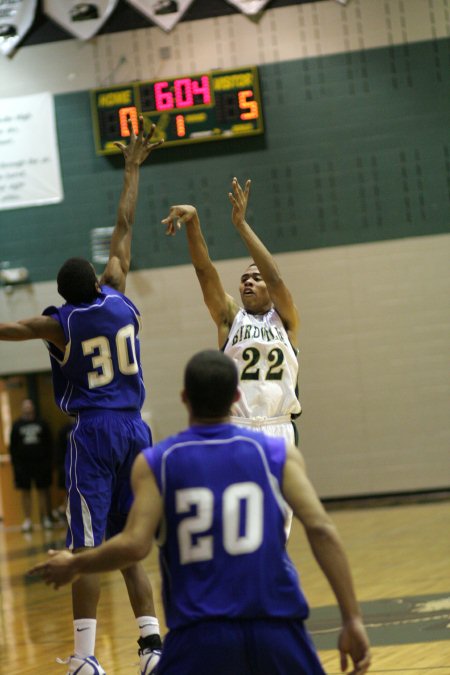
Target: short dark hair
77, 281
210, 383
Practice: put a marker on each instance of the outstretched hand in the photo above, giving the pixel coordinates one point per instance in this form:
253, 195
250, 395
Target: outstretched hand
140, 146
58, 570
178, 215
353, 641
239, 198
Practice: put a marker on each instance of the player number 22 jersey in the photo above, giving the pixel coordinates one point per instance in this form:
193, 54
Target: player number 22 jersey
267, 365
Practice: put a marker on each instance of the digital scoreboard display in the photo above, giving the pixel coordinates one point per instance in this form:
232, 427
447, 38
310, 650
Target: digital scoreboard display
211, 106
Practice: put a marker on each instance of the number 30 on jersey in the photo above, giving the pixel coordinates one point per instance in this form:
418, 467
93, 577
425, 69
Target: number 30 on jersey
99, 349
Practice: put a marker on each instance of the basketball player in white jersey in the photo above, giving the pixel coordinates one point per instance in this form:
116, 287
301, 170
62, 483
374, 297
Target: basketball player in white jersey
261, 336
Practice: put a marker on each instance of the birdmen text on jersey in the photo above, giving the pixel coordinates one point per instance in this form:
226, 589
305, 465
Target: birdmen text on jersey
267, 365
249, 331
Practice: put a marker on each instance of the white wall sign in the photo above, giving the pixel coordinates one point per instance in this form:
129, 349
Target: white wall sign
163, 13
16, 17
81, 19
30, 172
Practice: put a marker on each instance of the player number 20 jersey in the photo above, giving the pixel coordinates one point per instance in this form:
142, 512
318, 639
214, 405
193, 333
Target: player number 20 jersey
223, 545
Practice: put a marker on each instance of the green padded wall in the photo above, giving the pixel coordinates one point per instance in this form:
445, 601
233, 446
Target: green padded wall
356, 149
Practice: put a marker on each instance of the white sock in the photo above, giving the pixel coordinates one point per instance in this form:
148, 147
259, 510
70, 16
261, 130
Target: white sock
147, 625
84, 636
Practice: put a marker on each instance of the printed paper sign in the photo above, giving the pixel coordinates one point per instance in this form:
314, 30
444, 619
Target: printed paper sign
82, 19
163, 13
30, 172
16, 17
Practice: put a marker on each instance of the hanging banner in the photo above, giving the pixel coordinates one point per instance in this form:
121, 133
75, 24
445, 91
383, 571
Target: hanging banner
16, 17
30, 173
82, 19
249, 7
163, 13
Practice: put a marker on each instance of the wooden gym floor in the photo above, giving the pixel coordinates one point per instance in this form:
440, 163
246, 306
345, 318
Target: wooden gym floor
400, 556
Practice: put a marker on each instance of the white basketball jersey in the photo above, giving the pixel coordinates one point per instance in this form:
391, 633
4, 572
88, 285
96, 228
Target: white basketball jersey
267, 366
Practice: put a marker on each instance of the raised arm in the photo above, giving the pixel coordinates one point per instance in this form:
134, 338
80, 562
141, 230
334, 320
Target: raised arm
135, 153
330, 555
126, 548
278, 291
35, 328
222, 307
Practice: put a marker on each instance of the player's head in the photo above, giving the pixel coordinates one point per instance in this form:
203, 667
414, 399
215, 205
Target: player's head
77, 281
28, 411
254, 294
210, 384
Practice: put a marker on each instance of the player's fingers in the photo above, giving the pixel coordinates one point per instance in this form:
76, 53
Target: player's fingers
343, 661
248, 183
236, 187
119, 145
155, 144
168, 222
131, 127
37, 569
150, 133
141, 125
173, 213
362, 666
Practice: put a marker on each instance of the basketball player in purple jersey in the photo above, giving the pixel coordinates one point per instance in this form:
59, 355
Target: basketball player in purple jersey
232, 597
94, 353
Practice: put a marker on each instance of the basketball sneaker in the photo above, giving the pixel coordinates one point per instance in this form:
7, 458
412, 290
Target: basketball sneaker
149, 654
82, 666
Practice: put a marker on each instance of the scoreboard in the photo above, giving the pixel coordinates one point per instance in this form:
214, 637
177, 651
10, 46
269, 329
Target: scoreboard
211, 106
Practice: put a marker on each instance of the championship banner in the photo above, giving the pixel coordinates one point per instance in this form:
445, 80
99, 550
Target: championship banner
249, 7
30, 173
82, 19
16, 17
163, 13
